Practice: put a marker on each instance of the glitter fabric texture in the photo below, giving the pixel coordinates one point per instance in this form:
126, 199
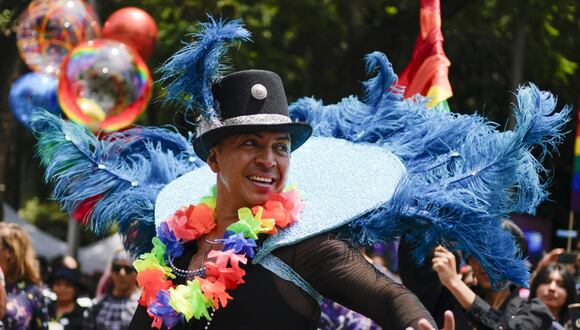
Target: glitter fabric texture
257, 119
340, 180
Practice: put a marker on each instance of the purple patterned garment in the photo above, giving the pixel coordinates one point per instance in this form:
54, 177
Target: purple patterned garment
26, 308
335, 316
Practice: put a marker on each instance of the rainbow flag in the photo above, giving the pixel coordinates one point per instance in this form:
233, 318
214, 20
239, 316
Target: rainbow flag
427, 72
575, 204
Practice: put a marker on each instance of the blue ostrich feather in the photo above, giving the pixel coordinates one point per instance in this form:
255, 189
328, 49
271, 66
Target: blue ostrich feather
126, 170
190, 73
374, 88
463, 174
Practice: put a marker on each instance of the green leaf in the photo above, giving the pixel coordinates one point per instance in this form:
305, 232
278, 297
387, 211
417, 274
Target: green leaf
551, 29
391, 10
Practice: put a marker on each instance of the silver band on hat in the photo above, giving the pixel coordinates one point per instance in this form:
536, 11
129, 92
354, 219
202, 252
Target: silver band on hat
257, 119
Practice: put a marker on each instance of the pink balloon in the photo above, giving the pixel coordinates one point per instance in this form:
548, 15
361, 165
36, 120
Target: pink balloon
134, 27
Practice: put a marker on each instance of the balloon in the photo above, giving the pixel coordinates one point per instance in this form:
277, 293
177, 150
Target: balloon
30, 91
48, 29
132, 26
104, 85
83, 210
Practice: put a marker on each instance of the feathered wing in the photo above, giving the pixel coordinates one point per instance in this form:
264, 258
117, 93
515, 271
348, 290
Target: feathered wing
123, 172
464, 176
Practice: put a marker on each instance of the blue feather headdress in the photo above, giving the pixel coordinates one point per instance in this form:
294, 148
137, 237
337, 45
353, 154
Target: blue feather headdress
124, 171
463, 175
189, 74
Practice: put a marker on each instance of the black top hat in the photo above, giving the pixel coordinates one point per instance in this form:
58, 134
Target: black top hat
69, 274
249, 101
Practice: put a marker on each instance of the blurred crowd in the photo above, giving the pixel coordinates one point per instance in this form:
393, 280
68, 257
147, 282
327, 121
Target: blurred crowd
53, 294
40, 294
456, 282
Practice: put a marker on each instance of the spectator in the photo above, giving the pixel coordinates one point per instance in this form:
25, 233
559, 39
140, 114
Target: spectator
495, 309
555, 287
25, 308
115, 309
66, 310
488, 308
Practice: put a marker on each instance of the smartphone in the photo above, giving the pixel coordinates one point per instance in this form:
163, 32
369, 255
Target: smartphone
567, 258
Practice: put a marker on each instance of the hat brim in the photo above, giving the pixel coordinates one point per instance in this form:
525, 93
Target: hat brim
341, 181
299, 133
69, 278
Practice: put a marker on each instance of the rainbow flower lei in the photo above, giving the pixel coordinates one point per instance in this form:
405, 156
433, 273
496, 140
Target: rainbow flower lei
169, 304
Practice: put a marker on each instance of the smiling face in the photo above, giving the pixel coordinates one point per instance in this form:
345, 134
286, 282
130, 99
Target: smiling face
250, 166
552, 292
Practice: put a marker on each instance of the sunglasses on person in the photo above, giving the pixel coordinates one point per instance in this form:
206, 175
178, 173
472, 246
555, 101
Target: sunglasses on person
128, 269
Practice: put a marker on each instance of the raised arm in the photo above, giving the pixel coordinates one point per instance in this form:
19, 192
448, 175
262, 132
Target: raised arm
338, 271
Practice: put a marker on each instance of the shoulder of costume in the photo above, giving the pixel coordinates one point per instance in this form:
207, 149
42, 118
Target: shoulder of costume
340, 181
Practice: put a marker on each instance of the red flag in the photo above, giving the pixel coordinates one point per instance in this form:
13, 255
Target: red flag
427, 72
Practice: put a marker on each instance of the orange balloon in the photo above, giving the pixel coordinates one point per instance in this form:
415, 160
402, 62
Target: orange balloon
134, 27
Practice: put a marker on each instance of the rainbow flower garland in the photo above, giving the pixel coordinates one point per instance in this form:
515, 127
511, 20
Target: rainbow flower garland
169, 304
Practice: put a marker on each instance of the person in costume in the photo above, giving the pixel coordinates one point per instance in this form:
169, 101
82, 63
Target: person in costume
336, 316
25, 307
376, 168
250, 151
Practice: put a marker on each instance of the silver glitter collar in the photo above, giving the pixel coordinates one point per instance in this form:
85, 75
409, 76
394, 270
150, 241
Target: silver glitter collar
341, 181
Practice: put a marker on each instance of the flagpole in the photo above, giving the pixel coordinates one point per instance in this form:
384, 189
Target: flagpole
570, 226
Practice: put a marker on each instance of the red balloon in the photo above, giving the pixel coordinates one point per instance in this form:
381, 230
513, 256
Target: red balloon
134, 27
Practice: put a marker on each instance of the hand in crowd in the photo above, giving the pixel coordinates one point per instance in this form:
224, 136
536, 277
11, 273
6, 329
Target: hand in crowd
550, 258
444, 265
448, 323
